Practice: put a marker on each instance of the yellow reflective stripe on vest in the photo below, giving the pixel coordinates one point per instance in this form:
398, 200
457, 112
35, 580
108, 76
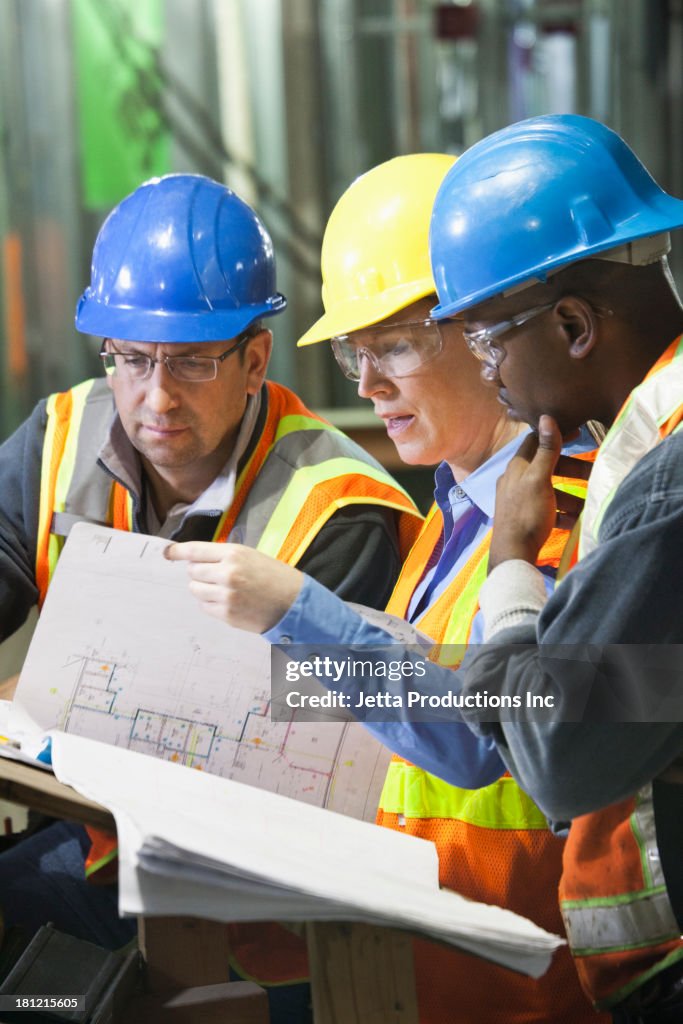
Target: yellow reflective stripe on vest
460, 602
292, 423
413, 566
45, 512
108, 858
79, 396
410, 791
314, 530
460, 622
579, 490
302, 484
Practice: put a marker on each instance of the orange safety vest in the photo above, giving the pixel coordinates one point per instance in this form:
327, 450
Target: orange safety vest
621, 927
301, 470
494, 844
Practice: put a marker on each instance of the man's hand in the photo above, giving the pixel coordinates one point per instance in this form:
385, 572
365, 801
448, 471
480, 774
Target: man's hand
237, 584
527, 505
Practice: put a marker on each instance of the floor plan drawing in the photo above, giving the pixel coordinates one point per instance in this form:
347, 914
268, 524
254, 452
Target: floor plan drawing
112, 661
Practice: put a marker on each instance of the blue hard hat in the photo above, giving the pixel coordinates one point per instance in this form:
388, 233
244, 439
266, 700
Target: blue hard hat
180, 259
533, 198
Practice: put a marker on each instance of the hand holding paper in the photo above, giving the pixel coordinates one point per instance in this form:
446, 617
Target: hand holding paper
240, 586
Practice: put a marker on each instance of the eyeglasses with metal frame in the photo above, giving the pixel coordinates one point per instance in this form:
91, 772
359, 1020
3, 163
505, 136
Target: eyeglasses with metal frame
137, 366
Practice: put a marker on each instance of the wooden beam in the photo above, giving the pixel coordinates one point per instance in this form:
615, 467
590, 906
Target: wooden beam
361, 974
183, 951
41, 791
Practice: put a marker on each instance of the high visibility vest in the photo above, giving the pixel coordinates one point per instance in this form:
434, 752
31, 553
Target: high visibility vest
301, 470
494, 844
619, 921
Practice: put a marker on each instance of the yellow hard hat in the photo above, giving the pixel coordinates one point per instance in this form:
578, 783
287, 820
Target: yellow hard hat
375, 252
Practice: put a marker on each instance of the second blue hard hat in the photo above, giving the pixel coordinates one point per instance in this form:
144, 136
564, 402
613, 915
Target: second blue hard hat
533, 198
180, 259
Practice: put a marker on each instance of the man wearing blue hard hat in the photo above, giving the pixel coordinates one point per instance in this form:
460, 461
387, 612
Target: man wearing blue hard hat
183, 438
550, 239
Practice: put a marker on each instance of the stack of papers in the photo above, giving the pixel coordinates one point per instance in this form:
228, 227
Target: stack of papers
205, 846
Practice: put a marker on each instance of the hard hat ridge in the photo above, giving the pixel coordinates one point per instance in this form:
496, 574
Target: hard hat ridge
181, 259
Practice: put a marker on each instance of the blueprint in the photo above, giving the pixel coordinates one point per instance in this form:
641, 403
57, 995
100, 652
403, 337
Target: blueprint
123, 654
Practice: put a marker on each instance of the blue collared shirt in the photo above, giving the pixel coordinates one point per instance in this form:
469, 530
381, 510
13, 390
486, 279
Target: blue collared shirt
467, 510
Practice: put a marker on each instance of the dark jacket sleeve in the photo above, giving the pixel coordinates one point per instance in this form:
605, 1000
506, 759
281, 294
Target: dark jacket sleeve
609, 646
356, 555
20, 464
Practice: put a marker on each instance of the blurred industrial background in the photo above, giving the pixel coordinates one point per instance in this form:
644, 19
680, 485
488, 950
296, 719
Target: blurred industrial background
287, 101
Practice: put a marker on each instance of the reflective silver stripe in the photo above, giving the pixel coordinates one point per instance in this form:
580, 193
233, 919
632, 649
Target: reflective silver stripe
311, 447
641, 922
291, 453
63, 522
643, 822
90, 488
89, 492
629, 920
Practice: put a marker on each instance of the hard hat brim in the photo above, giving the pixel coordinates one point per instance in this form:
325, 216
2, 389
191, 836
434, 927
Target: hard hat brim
669, 218
358, 313
169, 327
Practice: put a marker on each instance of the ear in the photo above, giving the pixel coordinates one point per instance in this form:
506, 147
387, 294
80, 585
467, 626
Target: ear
256, 357
579, 321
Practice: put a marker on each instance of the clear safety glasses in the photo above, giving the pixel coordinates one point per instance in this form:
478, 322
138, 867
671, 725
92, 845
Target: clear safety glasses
482, 343
394, 350
136, 366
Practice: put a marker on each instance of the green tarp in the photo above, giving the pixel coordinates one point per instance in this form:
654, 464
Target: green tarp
123, 140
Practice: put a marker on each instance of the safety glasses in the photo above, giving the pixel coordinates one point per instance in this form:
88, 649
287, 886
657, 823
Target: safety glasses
482, 343
394, 350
